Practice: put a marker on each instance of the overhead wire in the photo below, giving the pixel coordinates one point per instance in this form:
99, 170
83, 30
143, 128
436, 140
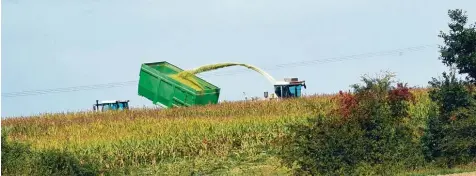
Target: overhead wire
334, 59
70, 89
275, 67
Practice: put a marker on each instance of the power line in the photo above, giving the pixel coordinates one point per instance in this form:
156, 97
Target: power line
70, 89
334, 59
276, 67
295, 64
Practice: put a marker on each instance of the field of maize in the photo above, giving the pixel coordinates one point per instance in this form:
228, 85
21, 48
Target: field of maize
139, 138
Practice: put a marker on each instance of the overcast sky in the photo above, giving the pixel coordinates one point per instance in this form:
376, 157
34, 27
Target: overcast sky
56, 44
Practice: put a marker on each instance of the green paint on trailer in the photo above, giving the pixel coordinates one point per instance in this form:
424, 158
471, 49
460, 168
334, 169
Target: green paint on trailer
157, 84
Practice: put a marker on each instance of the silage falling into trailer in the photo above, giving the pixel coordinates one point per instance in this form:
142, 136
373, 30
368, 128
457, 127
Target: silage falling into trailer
170, 86
189, 74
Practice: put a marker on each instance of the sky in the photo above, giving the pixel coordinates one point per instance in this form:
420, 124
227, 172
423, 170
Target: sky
56, 44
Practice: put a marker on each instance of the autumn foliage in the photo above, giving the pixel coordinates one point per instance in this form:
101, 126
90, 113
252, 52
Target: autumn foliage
347, 102
396, 97
365, 134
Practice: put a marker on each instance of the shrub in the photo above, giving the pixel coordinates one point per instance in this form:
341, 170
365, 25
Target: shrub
19, 159
449, 138
63, 163
367, 134
16, 157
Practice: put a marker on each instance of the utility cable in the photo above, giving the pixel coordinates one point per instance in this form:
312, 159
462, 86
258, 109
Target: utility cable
276, 67
334, 59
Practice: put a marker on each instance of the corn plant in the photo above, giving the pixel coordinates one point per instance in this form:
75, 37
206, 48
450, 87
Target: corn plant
118, 139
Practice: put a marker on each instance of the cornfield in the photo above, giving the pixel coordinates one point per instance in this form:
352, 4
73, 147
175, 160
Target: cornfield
137, 137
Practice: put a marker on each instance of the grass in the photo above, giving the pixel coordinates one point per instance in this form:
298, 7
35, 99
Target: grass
435, 170
261, 164
227, 138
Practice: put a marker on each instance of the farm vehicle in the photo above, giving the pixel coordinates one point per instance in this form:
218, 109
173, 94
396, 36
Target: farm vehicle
160, 82
164, 84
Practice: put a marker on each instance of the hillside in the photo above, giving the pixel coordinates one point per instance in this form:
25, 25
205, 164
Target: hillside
377, 129
228, 137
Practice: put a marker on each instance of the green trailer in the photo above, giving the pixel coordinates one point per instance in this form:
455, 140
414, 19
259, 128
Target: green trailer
158, 83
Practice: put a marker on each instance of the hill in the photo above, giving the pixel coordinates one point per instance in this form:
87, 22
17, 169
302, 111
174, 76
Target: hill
228, 137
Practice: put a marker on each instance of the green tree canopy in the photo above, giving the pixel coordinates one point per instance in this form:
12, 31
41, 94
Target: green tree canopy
460, 49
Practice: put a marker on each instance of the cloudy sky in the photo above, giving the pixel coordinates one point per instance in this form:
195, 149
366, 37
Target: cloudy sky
56, 44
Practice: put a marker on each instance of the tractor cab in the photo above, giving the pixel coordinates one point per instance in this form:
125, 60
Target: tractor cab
111, 105
289, 88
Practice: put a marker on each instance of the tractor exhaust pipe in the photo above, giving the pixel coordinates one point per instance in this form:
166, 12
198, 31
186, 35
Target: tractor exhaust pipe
96, 106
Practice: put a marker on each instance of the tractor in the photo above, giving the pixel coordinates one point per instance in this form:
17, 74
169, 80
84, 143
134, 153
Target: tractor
108, 105
158, 84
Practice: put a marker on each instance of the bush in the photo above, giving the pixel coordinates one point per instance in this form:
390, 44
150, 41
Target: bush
450, 136
367, 134
16, 157
63, 163
19, 159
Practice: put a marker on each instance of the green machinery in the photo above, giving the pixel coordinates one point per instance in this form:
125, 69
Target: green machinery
158, 84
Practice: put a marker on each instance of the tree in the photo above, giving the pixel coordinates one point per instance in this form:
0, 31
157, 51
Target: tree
449, 138
460, 49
